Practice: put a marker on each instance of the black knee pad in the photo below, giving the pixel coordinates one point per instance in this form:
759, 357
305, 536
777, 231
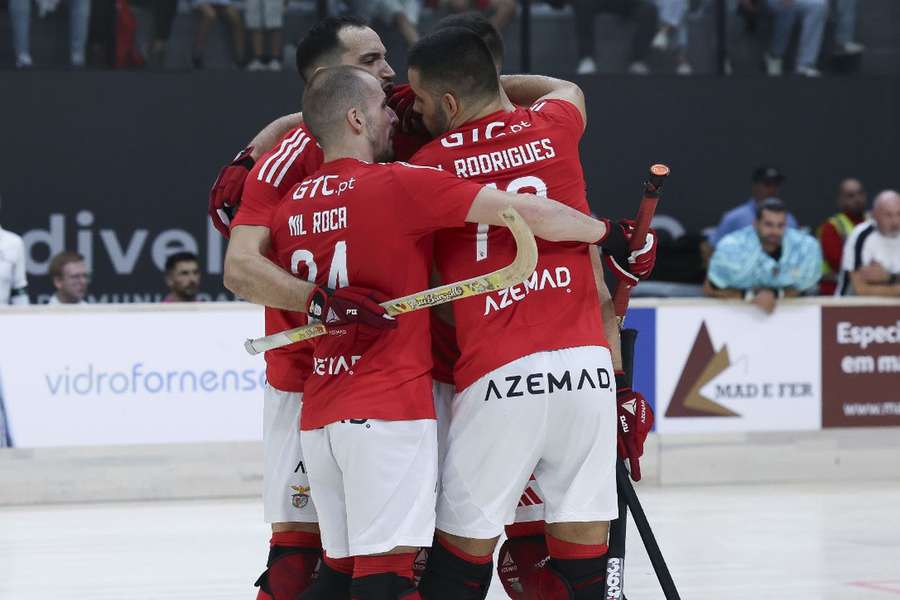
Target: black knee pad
382, 586
448, 577
329, 585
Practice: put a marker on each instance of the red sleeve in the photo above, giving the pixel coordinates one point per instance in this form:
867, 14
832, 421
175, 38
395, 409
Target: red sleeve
406, 145
437, 199
562, 113
832, 246
277, 171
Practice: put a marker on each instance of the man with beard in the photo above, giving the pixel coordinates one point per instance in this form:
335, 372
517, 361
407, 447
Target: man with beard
366, 227
182, 277
534, 354
764, 262
851, 202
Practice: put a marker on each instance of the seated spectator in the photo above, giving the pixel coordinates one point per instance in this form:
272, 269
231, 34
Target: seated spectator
765, 183
764, 262
265, 17
182, 277
642, 12
70, 278
845, 28
673, 32
206, 11
79, 17
502, 11
833, 232
403, 15
13, 282
871, 261
812, 15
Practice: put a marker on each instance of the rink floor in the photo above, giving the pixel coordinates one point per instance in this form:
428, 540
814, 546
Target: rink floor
798, 542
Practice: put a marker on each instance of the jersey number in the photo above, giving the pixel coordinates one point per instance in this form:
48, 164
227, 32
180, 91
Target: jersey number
337, 274
515, 186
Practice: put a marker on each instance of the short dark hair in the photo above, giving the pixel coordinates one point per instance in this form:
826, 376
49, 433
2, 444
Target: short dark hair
771, 205
174, 259
480, 26
455, 59
322, 45
59, 262
329, 95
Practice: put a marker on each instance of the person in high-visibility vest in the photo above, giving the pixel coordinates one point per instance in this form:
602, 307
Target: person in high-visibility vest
851, 199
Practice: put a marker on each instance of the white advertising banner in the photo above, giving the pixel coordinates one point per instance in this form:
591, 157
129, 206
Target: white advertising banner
96, 375
730, 367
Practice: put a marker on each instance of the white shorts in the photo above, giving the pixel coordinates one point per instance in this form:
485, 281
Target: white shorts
550, 413
531, 504
374, 484
286, 496
443, 401
264, 14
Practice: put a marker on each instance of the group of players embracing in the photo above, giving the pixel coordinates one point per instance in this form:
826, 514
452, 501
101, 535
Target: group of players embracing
424, 436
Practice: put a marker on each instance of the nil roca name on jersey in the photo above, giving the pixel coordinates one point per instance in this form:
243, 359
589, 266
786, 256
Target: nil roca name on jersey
560, 277
535, 384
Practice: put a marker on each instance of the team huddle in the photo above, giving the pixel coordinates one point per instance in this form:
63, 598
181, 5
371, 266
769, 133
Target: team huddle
398, 450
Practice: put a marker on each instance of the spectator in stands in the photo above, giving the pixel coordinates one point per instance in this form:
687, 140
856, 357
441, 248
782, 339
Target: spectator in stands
403, 15
851, 200
182, 277
502, 11
70, 278
265, 17
79, 17
642, 12
13, 282
871, 261
673, 32
845, 28
812, 14
164, 12
206, 11
766, 182
764, 262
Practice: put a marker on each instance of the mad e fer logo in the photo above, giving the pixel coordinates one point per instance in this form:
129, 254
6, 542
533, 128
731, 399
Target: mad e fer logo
729, 367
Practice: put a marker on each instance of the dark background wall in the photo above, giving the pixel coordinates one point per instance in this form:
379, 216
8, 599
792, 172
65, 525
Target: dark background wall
120, 164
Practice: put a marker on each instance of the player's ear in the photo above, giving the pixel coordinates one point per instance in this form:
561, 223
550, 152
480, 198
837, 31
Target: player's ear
450, 105
356, 119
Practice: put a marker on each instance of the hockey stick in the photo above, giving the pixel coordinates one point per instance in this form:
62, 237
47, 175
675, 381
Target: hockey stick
615, 574
514, 273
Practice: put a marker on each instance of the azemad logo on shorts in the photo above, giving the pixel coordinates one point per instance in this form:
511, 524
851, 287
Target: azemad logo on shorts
536, 384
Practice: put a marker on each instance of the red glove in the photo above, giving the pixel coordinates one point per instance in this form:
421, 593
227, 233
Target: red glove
346, 306
401, 101
225, 195
629, 266
520, 561
635, 421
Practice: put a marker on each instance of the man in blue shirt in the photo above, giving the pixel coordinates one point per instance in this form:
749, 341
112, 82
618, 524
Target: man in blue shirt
766, 261
766, 181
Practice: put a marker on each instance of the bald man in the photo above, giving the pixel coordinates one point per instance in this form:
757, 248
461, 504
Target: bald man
851, 202
871, 260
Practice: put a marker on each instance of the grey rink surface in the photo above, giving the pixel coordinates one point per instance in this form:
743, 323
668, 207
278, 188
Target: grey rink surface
799, 542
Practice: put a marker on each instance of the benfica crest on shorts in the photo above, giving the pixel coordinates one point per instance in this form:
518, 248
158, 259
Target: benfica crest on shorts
301, 496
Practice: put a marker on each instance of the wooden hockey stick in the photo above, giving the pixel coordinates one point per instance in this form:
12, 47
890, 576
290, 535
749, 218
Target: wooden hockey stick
514, 273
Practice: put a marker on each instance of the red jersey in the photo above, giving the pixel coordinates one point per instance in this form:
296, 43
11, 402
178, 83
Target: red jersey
277, 171
527, 150
292, 159
370, 226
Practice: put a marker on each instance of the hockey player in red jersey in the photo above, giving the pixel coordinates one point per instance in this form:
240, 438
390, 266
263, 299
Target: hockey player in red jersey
366, 228
534, 354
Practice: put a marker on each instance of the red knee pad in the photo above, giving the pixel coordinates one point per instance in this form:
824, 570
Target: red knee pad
551, 586
520, 561
293, 561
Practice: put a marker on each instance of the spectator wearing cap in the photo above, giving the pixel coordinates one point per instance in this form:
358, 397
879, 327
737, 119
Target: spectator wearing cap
182, 277
765, 261
851, 200
70, 278
871, 262
766, 183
